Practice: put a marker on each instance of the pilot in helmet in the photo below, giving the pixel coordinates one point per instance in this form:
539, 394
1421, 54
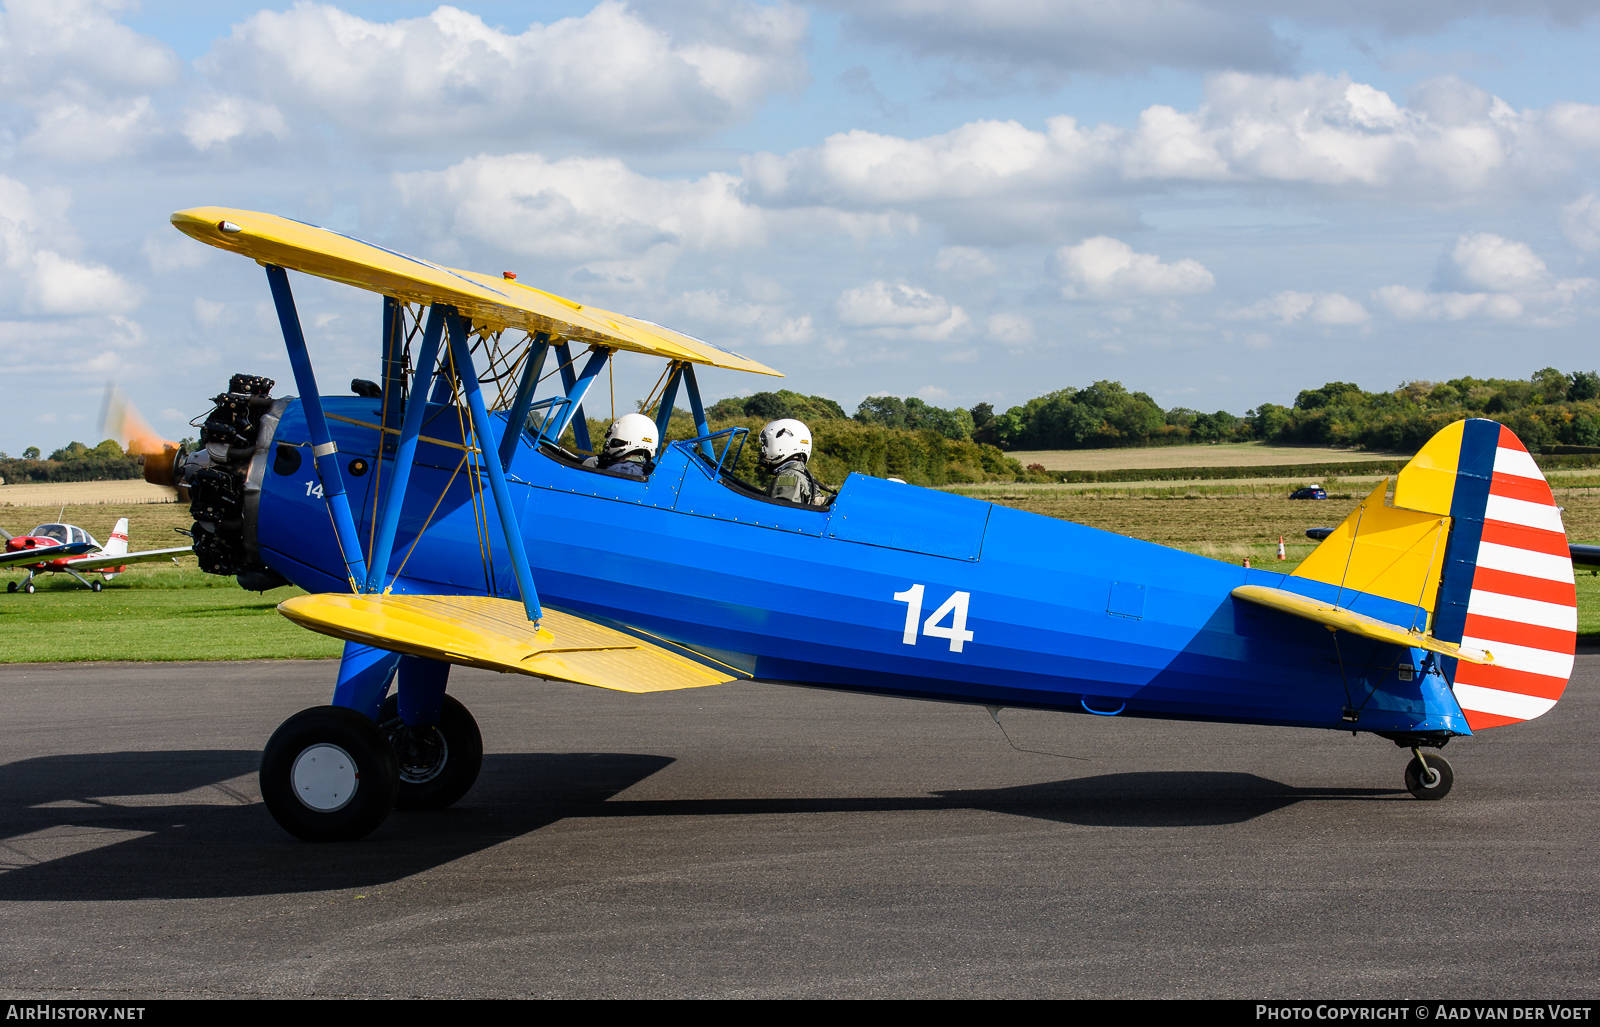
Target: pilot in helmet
630, 447
785, 452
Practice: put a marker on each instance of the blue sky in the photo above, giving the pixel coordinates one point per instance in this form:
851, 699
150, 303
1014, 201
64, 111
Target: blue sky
1216, 201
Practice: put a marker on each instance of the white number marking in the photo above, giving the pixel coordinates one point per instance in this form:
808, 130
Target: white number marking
912, 597
313, 489
957, 633
955, 608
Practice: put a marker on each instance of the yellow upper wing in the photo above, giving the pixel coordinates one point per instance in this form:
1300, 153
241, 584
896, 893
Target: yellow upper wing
487, 300
494, 634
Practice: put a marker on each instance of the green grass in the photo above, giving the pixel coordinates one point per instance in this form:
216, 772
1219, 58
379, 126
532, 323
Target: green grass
138, 621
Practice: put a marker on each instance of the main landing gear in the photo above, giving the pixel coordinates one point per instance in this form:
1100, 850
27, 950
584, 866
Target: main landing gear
329, 774
438, 763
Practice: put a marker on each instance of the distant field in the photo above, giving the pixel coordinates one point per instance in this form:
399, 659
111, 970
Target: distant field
78, 493
1233, 454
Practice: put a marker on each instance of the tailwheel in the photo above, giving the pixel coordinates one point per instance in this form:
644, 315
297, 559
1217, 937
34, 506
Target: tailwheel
439, 762
329, 775
1429, 777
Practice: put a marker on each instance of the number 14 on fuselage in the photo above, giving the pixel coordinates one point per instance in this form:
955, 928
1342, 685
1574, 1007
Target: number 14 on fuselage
955, 608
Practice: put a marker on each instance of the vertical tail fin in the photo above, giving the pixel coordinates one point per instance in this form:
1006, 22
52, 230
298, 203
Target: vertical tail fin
118, 544
1507, 583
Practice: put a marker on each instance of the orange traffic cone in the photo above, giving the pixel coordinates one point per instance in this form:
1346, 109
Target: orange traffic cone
1281, 555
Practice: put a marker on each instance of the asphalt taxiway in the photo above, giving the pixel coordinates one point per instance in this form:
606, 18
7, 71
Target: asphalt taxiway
760, 841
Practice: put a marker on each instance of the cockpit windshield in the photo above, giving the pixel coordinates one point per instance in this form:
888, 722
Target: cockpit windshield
59, 532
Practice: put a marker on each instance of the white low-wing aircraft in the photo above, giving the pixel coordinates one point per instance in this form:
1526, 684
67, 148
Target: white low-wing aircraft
67, 548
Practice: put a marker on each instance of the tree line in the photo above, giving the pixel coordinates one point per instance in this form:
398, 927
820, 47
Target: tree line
72, 462
1549, 408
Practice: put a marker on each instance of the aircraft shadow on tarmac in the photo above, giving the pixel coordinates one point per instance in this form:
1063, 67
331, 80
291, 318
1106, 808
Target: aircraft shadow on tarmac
133, 825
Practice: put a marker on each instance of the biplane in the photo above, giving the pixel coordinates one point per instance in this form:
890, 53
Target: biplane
436, 519
68, 549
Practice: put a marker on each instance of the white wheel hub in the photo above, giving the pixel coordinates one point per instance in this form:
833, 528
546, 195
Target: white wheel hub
325, 778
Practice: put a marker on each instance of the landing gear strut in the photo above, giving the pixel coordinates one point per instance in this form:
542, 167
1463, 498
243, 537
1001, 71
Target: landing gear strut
1428, 777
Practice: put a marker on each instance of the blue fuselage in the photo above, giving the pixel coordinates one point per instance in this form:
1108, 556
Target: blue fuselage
895, 589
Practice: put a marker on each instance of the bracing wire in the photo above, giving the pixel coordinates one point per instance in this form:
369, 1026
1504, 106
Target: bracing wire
429, 520
480, 515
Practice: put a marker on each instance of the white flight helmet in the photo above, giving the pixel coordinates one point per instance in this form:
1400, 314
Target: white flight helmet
629, 434
783, 440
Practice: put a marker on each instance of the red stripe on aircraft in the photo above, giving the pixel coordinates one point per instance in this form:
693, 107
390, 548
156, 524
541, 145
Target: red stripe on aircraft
1509, 440
1520, 536
1533, 636
1477, 720
1562, 593
1529, 490
1504, 679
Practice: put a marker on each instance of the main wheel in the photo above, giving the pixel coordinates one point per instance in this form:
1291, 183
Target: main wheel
95, 586
11, 586
30, 588
438, 764
1432, 782
329, 775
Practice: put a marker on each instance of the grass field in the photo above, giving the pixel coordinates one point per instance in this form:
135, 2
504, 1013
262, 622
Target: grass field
153, 612
1231, 454
161, 612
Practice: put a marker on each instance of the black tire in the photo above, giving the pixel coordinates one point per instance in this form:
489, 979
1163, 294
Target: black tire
1438, 782
11, 586
345, 803
30, 588
438, 764
95, 586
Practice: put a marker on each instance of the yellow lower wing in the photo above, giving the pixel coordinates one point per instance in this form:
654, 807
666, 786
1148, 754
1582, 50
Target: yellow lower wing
494, 634
1332, 616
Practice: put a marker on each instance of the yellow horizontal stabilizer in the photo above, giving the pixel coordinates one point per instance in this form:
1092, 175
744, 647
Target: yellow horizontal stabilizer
494, 634
1332, 617
488, 300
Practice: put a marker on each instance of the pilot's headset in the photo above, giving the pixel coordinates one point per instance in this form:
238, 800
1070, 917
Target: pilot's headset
784, 440
628, 435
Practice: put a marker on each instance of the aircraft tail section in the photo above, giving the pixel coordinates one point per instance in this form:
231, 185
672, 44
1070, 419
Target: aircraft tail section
1473, 538
1507, 585
118, 544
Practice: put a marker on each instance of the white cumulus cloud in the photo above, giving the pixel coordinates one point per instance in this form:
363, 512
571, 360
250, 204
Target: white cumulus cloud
86, 77
50, 282
581, 208
1486, 275
893, 309
1329, 308
1001, 181
448, 78
1580, 220
1104, 268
